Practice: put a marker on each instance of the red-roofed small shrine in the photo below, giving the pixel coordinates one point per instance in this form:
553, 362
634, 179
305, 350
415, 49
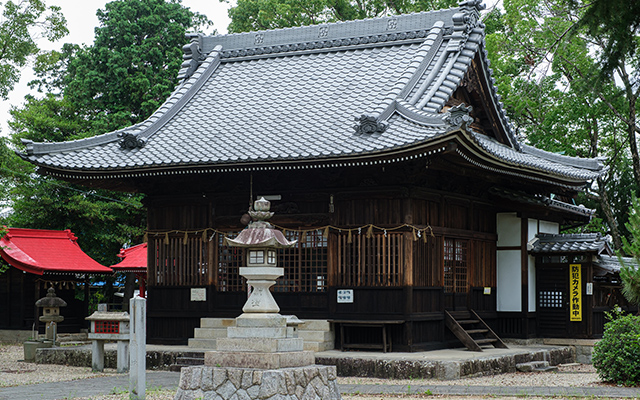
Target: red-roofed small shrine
134, 259
38, 260
40, 251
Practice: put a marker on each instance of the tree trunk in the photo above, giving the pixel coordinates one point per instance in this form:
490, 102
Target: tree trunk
605, 204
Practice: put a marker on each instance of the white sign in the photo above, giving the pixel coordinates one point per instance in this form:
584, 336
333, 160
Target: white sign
345, 295
589, 288
198, 294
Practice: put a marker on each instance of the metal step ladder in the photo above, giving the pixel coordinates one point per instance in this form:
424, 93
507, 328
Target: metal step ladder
471, 330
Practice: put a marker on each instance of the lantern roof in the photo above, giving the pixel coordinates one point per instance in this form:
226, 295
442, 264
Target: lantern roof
259, 232
51, 300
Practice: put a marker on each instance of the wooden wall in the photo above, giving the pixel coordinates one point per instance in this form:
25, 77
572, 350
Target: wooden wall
394, 274
19, 292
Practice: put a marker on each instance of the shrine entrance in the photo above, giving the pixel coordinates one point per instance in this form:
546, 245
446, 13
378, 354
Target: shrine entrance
456, 280
553, 300
564, 299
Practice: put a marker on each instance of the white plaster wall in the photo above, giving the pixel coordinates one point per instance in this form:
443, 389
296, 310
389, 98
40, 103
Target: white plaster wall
532, 284
549, 227
508, 227
532, 228
509, 290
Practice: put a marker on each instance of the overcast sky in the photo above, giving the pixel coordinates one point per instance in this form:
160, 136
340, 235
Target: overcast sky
81, 20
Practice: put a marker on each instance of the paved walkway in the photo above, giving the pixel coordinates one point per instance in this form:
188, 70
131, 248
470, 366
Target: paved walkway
162, 379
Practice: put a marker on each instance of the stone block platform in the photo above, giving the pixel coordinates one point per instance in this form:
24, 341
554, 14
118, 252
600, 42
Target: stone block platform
313, 382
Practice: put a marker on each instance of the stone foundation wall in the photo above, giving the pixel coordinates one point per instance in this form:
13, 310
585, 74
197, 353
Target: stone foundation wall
309, 383
81, 357
404, 369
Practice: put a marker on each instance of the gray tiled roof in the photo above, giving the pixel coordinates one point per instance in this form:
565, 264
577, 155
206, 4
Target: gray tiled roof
541, 200
569, 243
612, 263
292, 95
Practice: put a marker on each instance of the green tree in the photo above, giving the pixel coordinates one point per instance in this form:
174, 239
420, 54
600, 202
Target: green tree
251, 15
126, 74
616, 20
547, 81
22, 23
629, 272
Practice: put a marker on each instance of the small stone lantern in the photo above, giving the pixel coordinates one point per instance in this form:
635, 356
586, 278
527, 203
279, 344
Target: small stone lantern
109, 326
261, 240
50, 305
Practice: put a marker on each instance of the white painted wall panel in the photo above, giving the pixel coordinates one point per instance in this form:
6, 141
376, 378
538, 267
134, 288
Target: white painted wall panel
549, 227
532, 284
508, 227
532, 228
509, 290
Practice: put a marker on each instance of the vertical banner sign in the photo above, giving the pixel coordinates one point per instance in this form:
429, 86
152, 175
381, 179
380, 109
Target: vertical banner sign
575, 289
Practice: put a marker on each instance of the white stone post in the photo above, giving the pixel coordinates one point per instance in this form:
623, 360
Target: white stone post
138, 348
97, 355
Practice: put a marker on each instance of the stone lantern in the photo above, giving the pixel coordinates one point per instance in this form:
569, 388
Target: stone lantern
50, 305
263, 345
261, 240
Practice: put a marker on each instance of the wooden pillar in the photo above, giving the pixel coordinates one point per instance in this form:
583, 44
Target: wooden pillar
524, 273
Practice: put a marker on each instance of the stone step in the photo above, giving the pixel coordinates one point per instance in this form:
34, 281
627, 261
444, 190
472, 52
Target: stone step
318, 346
533, 366
315, 325
217, 322
316, 336
209, 344
190, 360
209, 333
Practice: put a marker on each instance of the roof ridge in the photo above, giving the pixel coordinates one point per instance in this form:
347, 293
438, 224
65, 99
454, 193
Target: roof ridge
342, 33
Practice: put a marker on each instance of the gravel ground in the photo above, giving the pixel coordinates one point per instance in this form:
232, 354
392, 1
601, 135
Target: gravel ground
15, 372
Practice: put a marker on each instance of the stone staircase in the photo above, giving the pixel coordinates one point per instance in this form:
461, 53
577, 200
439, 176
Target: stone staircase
210, 330
317, 335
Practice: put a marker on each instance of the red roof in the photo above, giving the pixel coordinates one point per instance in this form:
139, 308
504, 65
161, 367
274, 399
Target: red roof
134, 259
41, 251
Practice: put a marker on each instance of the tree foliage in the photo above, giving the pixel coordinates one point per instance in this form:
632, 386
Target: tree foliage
119, 80
617, 356
549, 82
22, 23
252, 15
618, 21
630, 272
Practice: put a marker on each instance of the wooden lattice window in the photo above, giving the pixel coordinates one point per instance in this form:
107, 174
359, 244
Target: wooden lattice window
455, 266
180, 262
551, 299
230, 259
374, 261
305, 265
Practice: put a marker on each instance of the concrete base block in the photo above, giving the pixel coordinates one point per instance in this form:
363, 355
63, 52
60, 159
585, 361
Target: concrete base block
217, 322
262, 345
266, 320
313, 382
257, 332
243, 359
316, 325
202, 343
209, 333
